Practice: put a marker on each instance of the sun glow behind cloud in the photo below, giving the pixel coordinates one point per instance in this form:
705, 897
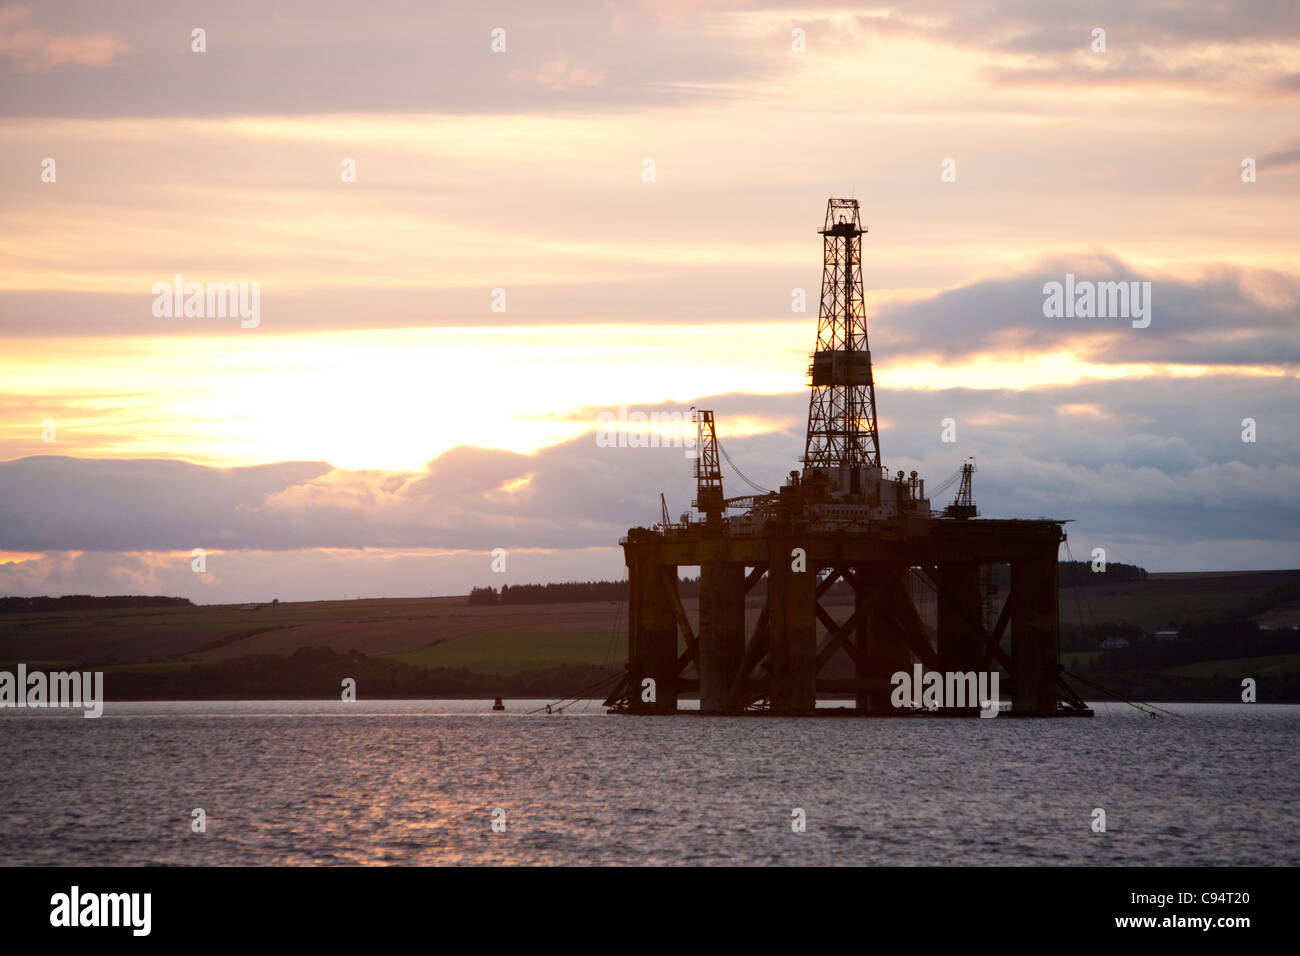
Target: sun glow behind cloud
394, 399
389, 399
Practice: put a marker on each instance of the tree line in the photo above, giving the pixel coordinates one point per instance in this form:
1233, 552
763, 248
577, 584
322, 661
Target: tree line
567, 592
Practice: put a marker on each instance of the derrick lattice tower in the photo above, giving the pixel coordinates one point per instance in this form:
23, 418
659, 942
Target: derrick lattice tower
842, 435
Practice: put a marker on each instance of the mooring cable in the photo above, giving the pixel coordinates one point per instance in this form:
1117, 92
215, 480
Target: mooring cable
1096, 634
613, 639
1139, 705
574, 698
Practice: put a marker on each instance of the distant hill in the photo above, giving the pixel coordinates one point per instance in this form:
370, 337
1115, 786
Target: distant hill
87, 602
1080, 573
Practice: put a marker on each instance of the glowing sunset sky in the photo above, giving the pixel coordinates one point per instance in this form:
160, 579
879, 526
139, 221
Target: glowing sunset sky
382, 428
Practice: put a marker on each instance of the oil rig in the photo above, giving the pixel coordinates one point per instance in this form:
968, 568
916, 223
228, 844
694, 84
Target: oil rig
843, 520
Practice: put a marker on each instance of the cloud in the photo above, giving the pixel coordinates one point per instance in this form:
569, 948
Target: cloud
1211, 48
387, 56
26, 48
398, 56
560, 75
234, 577
1160, 457
1223, 316
1285, 158
98, 504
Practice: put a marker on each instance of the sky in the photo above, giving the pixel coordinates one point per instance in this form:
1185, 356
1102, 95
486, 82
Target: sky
473, 229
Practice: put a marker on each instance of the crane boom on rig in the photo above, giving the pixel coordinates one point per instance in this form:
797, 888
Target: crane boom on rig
708, 470
709, 497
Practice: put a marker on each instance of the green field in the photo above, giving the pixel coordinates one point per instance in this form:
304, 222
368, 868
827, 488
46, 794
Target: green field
1274, 666
1070, 659
1167, 600
502, 654
210, 633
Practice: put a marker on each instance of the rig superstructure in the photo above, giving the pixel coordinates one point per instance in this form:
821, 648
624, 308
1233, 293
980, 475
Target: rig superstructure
843, 518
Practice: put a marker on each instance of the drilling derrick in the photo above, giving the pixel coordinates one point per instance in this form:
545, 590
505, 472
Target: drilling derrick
843, 443
842, 468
